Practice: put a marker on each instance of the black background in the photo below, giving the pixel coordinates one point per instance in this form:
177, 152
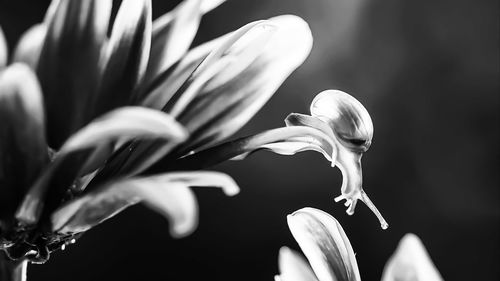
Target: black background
427, 71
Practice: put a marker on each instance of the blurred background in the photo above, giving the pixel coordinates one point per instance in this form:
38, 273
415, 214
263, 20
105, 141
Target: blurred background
427, 71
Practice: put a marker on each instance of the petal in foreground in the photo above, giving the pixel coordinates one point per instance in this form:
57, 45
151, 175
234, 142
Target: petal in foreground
168, 194
293, 267
325, 245
23, 150
410, 262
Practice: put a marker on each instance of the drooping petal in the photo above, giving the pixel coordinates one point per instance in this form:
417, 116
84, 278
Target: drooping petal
23, 150
68, 65
286, 141
349, 126
125, 56
410, 262
325, 245
4, 55
168, 194
348, 118
30, 45
293, 267
121, 124
172, 36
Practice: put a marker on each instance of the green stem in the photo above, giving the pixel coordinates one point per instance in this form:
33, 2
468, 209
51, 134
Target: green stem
12, 270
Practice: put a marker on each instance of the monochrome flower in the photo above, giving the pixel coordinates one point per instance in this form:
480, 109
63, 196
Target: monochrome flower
85, 115
330, 256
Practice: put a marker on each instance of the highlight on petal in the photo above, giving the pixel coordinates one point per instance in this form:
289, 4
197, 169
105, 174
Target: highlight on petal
30, 45
168, 194
4, 54
68, 65
293, 267
125, 56
126, 122
198, 67
172, 36
234, 95
23, 150
285, 141
347, 117
325, 245
348, 124
410, 262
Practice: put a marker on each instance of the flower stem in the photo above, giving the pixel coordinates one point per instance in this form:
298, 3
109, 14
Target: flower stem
12, 270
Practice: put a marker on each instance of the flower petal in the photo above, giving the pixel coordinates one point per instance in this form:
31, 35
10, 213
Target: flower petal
125, 56
349, 127
287, 141
30, 45
4, 55
124, 123
172, 36
410, 262
293, 267
23, 150
325, 245
202, 65
68, 65
168, 194
234, 95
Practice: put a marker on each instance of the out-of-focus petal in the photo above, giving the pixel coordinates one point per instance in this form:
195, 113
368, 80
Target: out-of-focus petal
125, 56
23, 150
121, 124
410, 262
30, 45
4, 55
325, 245
68, 65
168, 194
172, 36
293, 267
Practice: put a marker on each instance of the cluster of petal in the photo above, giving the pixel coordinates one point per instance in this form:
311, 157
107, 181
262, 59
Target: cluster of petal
85, 114
330, 256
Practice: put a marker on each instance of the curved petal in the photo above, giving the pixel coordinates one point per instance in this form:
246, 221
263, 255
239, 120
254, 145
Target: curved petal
30, 45
410, 262
235, 94
204, 65
68, 65
124, 123
4, 55
287, 141
293, 267
325, 245
23, 150
172, 36
349, 127
168, 194
125, 56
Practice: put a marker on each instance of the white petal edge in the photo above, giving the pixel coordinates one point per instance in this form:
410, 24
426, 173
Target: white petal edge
298, 222
168, 194
410, 262
293, 267
129, 122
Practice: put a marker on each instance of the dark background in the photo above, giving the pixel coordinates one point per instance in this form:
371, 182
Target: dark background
427, 71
